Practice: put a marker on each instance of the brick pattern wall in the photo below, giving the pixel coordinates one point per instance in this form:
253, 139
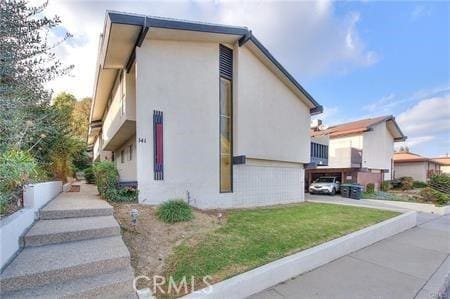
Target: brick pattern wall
263, 185
365, 178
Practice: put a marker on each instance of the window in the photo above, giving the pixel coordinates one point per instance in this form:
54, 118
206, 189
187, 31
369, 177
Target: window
131, 152
226, 119
122, 156
112, 157
122, 92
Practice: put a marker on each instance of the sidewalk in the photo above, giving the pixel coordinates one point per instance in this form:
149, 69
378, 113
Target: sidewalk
412, 264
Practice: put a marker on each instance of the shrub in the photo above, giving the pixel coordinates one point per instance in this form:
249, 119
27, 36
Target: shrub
441, 179
370, 188
17, 168
106, 177
406, 183
419, 184
174, 210
89, 175
386, 186
437, 197
126, 194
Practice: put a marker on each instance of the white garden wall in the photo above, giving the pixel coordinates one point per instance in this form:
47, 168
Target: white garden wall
14, 226
35, 196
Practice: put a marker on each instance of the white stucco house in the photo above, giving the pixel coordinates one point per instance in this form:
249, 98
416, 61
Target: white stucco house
198, 111
413, 165
359, 152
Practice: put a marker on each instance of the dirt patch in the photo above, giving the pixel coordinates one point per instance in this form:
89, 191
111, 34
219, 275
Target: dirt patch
152, 241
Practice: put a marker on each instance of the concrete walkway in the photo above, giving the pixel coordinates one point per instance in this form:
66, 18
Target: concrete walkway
74, 250
412, 264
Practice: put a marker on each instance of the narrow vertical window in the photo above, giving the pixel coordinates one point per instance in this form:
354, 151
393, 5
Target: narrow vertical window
226, 119
122, 156
122, 92
131, 152
158, 157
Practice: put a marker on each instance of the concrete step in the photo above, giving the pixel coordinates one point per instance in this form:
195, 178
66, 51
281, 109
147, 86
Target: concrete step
75, 207
118, 284
45, 232
57, 263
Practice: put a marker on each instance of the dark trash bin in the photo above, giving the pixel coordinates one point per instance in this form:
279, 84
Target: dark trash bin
356, 191
345, 190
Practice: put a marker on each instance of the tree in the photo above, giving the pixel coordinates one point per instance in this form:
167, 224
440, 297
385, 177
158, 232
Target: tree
80, 121
27, 63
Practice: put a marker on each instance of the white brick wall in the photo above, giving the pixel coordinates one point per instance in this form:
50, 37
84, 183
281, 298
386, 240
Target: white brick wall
267, 185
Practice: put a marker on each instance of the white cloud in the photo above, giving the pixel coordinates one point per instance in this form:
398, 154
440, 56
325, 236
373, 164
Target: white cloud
381, 105
307, 37
427, 125
420, 11
414, 141
389, 103
427, 116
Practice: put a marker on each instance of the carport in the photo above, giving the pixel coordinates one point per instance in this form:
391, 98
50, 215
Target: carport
343, 175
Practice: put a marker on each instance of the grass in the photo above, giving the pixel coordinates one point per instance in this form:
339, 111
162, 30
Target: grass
251, 238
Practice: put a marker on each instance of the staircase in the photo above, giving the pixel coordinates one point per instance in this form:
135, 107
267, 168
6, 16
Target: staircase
75, 250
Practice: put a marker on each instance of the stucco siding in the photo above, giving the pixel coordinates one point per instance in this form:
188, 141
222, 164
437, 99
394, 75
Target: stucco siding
340, 150
181, 79
445, 169
378, 148
416, 170
272, 122
127, 168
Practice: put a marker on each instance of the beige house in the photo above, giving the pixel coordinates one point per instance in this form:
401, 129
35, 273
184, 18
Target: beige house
415, 166
359, 151
198, 111
445, 163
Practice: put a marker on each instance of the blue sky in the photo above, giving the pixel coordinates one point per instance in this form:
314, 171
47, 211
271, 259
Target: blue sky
358, 59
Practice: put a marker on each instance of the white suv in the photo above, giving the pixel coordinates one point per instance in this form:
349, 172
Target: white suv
326, 184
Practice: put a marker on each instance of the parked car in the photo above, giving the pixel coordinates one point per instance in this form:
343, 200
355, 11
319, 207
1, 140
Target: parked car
326, 184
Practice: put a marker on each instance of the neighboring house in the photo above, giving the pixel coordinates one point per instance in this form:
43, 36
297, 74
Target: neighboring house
358, 152
445, 163
415, 166
199, 111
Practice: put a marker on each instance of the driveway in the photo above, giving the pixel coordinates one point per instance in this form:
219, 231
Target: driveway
412, 264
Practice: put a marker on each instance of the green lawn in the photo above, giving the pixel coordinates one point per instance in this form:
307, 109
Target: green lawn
251, 238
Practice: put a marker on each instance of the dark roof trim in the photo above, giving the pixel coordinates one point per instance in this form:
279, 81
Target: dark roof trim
315, 110
139, 20
147, 22
190, 26
245, 38
127, 19
404, 137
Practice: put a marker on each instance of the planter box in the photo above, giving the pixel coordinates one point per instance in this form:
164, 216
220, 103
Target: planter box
13, 227
35, 196
266, 276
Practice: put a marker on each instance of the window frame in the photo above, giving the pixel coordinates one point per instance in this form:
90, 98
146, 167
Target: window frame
223, 76
130, 153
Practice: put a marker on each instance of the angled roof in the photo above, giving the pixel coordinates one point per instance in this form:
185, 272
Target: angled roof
123, 32
361, 126
442, 160
407, 157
